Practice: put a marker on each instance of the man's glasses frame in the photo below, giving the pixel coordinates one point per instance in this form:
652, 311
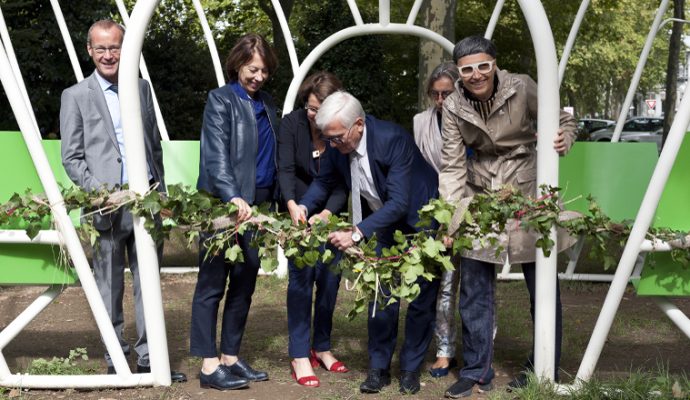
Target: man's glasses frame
102, 50
336, 140
483, 67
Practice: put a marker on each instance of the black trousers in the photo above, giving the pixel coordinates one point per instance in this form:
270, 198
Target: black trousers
210, 289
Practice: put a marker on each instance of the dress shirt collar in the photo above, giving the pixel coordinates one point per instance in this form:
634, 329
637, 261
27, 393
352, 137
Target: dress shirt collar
361, 149
102, 82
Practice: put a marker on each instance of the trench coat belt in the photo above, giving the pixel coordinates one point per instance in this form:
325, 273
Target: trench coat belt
494, 162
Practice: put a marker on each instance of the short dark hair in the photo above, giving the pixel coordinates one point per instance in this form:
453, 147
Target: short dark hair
244, 50
321, 84
473, 45
104, 24
446, 69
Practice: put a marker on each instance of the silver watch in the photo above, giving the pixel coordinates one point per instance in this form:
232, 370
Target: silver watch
356, 236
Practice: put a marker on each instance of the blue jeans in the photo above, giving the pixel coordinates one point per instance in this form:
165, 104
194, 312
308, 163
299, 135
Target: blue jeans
300, 292
477, 312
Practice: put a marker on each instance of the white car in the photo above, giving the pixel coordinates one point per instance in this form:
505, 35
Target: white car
637, 126
645, 137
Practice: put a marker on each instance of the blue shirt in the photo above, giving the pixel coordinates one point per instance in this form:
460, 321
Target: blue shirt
265, 159
110, 92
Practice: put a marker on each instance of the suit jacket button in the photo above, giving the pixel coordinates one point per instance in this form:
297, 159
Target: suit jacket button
119, 160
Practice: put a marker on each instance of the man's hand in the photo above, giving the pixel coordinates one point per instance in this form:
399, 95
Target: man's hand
342, 240
244, 211
323, 216
560, 144
447, 241
297, 213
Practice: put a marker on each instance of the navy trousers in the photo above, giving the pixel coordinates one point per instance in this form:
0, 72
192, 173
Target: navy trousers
210, 288
477, 311
300, 298
419, 328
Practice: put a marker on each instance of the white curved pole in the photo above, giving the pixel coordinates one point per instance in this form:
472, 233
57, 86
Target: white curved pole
494, 19
62, 220
210, 41
145, 74
354, 31
638, 70
133, 131
7, 43
355, 12
547, 174
650, 202
571, 39
68, 40
384, 12
286, 35
414, 12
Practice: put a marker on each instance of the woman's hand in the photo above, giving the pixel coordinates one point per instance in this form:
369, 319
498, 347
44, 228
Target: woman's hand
323, 216
244, 211
297, 213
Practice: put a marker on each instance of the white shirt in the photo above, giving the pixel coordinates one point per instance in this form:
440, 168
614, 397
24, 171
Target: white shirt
366, 184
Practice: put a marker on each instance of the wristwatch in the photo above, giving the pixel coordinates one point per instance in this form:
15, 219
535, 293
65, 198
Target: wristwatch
356, 236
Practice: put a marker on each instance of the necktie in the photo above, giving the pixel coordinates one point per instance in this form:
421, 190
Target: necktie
356, 199
113, 88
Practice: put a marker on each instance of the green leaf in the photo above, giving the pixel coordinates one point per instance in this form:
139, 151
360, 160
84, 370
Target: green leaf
234, 254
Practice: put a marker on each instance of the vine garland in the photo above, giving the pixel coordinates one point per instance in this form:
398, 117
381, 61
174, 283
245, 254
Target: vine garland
386, 278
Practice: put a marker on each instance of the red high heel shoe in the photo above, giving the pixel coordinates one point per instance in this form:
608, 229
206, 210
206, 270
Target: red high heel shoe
337, 366
308, 381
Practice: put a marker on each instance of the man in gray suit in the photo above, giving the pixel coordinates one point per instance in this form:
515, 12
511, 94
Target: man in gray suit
93, 155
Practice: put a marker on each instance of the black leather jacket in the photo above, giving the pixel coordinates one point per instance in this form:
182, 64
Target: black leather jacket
229, 143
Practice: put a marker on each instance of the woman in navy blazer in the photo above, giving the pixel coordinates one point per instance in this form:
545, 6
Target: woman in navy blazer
300, 151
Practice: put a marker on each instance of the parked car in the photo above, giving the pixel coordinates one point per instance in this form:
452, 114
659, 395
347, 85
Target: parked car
585, 126
633, 126
645, 137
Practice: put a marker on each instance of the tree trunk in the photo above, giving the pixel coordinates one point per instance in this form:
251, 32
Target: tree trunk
669, 106
438, 16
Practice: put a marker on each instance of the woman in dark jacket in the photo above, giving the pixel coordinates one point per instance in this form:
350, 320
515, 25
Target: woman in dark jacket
237, 165
299, 155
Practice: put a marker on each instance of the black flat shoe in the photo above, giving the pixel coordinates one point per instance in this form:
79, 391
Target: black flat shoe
463, 388
441, 372
243, 370
222, 379
376, 380
409, 382
175, 376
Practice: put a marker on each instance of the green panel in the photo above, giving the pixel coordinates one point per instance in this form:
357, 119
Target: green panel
662, 276
181, 162
33, 264
616, 174
29, 263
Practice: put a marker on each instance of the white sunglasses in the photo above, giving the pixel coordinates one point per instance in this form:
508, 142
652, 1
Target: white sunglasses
483, 67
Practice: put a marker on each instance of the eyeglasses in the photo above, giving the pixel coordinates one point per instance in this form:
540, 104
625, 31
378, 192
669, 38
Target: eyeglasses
434, 94
483, 67
336, 140
311, 109
114, 50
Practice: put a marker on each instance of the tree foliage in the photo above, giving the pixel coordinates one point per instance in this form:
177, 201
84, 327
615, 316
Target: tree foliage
383, 70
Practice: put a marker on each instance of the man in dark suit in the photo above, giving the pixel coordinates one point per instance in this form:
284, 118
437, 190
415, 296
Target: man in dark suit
390, 181
94, 157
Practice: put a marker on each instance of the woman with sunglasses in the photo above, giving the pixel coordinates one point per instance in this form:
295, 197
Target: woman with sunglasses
300, 151
494, 112
237, 165
427, 136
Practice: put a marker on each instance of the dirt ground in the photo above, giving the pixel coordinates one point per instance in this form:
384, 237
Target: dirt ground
641, 338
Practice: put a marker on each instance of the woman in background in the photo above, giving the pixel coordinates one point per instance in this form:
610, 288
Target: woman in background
427, 135
300, 150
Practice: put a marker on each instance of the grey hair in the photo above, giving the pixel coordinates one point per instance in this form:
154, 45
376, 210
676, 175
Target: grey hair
104, 24
340, 105
473, 45
446, 69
